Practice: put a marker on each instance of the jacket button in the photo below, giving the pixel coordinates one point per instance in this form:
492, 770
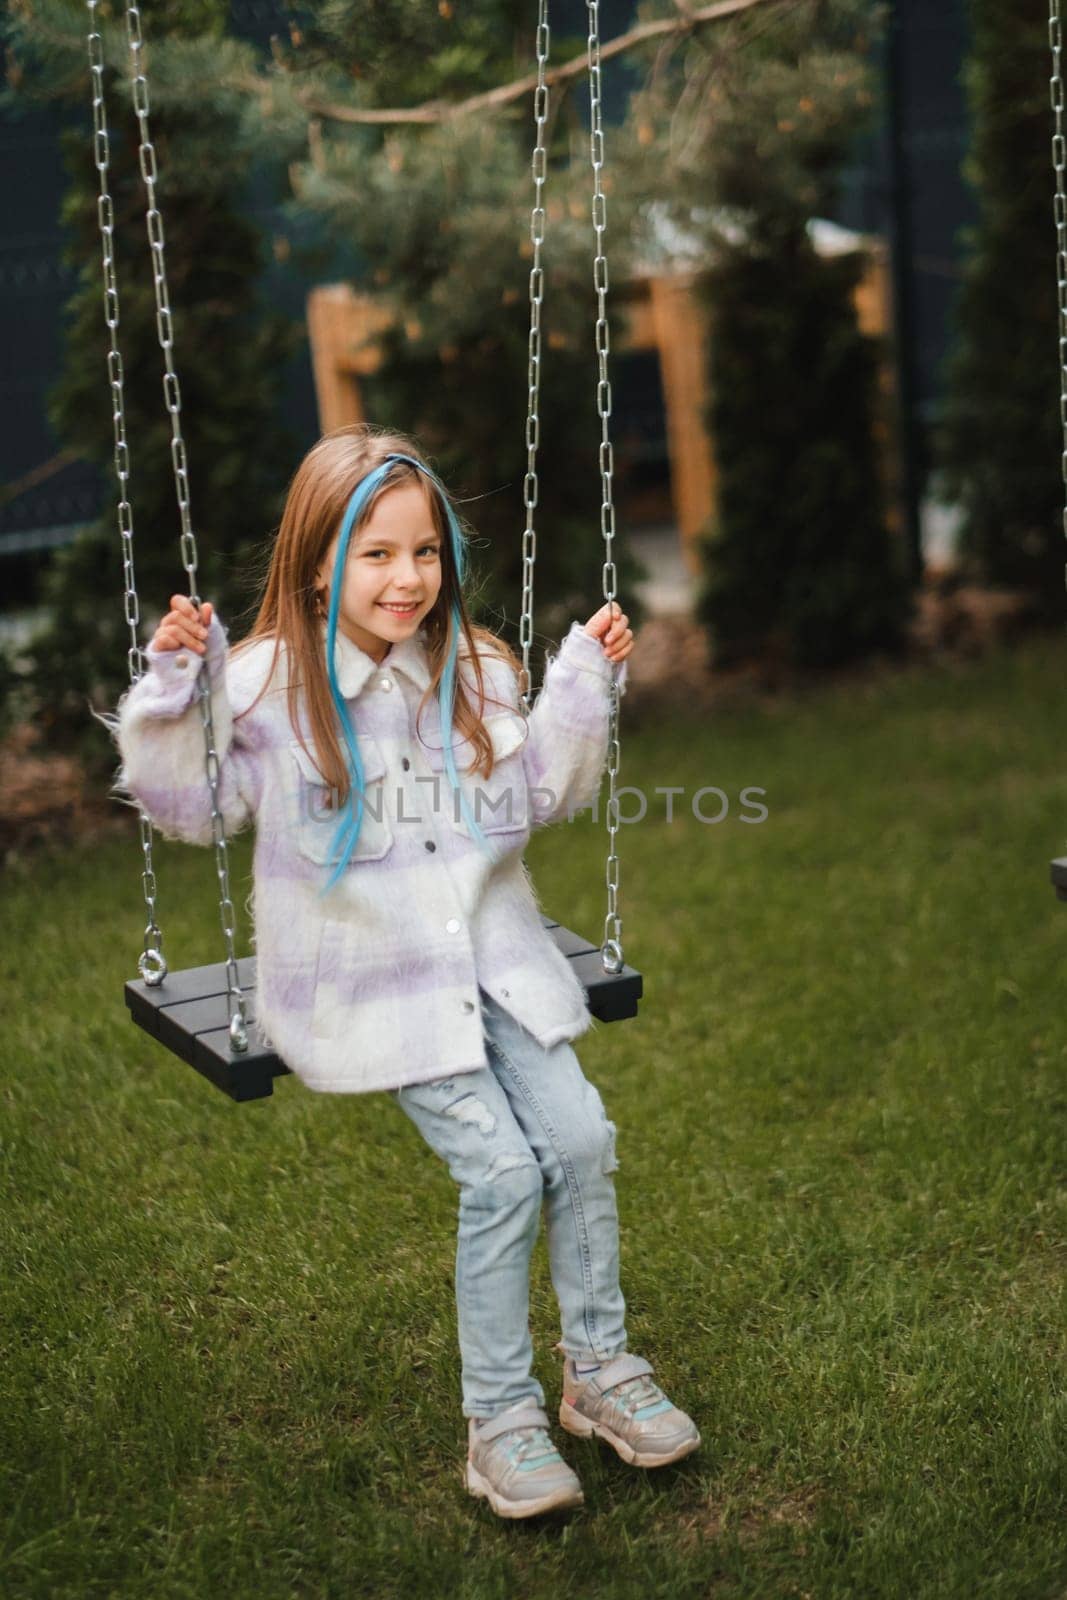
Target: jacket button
181, 661
506, 993
468, 1005
387, 683
430, 845
406, 764
453, 925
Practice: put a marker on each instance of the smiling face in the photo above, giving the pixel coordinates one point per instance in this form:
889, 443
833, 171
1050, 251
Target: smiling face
393, 561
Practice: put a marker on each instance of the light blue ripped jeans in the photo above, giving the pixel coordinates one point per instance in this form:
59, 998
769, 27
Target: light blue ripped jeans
528, 1130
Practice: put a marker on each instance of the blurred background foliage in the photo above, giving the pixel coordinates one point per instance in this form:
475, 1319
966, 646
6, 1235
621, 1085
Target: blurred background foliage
735, 133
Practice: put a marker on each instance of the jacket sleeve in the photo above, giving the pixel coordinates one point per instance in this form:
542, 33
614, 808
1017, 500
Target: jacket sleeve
160, 736
567, 745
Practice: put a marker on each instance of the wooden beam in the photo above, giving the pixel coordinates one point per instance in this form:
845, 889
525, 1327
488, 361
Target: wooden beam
681, 336
344, 331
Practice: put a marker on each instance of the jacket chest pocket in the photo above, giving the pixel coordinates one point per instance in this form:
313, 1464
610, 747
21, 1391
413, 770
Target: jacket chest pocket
318, 813
498, 803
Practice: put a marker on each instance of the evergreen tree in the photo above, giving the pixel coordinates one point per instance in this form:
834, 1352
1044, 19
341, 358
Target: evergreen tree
799, 563
1002, 435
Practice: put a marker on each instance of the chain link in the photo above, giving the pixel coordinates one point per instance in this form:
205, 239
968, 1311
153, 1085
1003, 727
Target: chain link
1059, 167
173, 403
533, 382
611, 949
152, 963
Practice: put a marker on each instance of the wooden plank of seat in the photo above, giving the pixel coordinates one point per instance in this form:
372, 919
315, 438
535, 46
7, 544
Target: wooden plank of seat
1058, 873
612, 996
189, 1013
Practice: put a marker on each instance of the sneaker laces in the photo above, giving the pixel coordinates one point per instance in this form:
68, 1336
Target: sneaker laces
529, 1443
638, 1393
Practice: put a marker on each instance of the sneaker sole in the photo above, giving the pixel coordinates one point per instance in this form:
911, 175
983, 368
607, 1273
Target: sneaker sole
584, 1427
559, 1500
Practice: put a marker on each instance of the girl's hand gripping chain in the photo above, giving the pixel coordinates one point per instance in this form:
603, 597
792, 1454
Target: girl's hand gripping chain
183, 628
609, 625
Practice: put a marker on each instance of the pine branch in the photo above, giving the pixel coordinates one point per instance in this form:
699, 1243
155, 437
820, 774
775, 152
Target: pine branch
37, 475
433, 111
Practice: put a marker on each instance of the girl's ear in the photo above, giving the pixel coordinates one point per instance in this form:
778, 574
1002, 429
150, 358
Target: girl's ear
324, 570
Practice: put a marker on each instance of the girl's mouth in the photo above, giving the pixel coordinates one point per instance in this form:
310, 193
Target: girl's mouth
398, 611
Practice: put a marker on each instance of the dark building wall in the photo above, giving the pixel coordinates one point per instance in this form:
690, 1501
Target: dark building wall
35, 283
932, 133
907, 185
933, 140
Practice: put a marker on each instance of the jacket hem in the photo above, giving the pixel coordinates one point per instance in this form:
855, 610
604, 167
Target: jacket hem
363, 1086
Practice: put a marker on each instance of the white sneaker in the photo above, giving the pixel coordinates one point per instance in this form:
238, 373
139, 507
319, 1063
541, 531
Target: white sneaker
512, 1463
621, 1404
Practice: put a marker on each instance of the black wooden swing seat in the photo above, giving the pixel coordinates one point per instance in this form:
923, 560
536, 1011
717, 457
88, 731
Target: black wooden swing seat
1058, 873
189, 1013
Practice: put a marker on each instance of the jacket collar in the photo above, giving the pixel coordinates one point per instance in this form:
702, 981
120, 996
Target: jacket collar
355, 667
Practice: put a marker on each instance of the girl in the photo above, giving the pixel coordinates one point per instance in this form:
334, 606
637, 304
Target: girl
377, 737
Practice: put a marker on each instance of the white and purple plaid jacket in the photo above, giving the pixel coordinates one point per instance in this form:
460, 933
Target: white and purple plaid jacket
375, 984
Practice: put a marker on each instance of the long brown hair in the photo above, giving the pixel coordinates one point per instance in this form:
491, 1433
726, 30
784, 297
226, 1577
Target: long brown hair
314, 508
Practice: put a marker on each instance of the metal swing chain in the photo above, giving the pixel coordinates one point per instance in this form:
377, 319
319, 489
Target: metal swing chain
533, 421
1059, 166
611, 949
152, 963
172, 400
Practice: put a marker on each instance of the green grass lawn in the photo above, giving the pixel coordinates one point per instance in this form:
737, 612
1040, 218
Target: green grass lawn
229, 1360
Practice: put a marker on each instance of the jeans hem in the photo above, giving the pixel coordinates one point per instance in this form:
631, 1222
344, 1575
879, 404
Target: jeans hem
487, 1416
583, 1355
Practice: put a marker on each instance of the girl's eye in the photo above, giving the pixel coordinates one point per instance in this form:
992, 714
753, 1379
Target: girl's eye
434, 549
